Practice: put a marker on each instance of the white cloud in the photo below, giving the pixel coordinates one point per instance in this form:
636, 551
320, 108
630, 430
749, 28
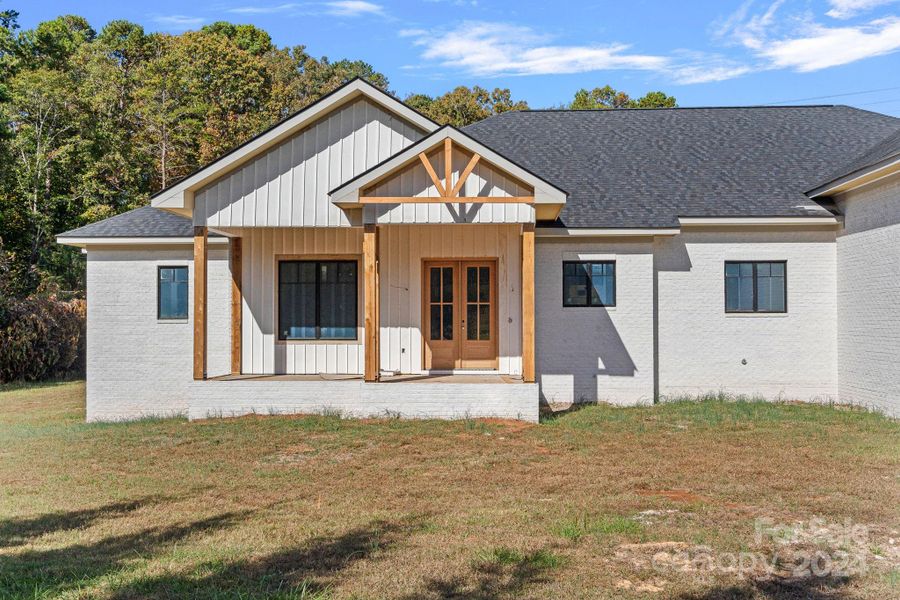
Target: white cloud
353, 8
799, 42
698, 67
823, 47
338, 8
179, 22
492, 49
844, 9
262, 10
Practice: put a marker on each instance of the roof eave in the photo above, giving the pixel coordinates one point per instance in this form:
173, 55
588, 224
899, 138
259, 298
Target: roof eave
180, 196
84, 242
347, 194
858, 178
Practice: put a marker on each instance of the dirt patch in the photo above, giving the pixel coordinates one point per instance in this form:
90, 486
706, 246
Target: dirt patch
509, 426
674, 495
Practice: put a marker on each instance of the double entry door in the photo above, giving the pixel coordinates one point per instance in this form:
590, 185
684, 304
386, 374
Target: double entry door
460, 314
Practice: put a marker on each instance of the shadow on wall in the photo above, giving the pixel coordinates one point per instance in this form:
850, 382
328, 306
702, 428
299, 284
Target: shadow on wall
587, 347
586, 344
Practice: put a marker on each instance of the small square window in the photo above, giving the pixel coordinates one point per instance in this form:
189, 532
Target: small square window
172, 293
756, 286
589, 283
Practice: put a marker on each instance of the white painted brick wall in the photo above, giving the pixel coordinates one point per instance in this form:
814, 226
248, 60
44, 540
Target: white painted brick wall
587, 354
701, 348
136, 365
355, 398
868, 293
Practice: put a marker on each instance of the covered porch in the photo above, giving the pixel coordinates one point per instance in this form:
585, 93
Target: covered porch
442, 273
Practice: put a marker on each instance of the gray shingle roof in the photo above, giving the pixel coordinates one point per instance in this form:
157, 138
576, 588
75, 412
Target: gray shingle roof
645, 168
145, 221
885, 151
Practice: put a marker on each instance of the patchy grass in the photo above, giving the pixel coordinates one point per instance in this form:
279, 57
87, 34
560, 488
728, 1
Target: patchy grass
599, 502
576, 528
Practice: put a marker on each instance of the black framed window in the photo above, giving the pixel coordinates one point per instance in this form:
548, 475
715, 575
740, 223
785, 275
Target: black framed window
589, 283
172, 293
317, 300
756, 286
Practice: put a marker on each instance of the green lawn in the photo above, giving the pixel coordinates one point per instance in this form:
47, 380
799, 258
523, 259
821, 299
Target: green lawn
599, 502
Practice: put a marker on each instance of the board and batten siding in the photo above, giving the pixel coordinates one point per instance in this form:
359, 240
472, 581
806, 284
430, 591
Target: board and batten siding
261, 352
484, 180
402, 250
288, 185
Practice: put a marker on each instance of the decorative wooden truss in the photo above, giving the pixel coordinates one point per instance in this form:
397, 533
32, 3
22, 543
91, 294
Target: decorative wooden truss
447, 194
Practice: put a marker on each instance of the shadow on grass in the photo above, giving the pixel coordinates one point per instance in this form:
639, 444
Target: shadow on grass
307, 571
548, 414
45, 573
504, 576
812, 588
15, 532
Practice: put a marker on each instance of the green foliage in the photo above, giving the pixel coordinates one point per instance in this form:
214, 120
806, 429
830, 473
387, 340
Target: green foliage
607, 97
92, 124
41, 336
464, 106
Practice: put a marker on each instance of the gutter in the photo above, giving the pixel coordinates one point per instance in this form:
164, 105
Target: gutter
82, 242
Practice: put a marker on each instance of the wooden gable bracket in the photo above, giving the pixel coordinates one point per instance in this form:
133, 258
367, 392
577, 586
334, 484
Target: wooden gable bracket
447, 194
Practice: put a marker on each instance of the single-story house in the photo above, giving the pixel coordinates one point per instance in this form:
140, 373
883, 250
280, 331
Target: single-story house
358, 257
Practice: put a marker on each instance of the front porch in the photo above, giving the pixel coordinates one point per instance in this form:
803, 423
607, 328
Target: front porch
433, 275
404, 396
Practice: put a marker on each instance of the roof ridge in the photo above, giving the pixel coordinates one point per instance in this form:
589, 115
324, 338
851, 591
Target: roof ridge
736, 107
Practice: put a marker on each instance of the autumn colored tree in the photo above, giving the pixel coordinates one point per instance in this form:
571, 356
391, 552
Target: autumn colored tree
607, 97
92, 124
464, 106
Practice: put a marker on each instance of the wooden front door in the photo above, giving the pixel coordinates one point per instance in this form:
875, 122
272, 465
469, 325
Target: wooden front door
460, 314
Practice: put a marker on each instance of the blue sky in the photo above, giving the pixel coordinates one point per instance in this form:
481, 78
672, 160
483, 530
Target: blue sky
726, 52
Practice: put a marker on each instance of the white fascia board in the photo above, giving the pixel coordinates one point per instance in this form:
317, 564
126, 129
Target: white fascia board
865, 178
559, 232
755, 221
133, 241
544, 193
181, 195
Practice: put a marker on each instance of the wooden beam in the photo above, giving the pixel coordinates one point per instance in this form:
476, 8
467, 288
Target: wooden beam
236, 303
432, 174
200, 298
465, 174
448, 165
370, 301
446, 200
528, 374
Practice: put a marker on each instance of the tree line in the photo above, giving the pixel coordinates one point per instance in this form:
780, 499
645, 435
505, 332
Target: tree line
92, 123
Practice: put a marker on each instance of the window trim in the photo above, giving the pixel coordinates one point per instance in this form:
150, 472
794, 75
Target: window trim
159, 316
317, 258
755, 310
615, 287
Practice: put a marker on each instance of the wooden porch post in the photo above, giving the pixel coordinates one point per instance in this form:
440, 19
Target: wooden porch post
370, 267
200, 266
528, 374
235, 245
